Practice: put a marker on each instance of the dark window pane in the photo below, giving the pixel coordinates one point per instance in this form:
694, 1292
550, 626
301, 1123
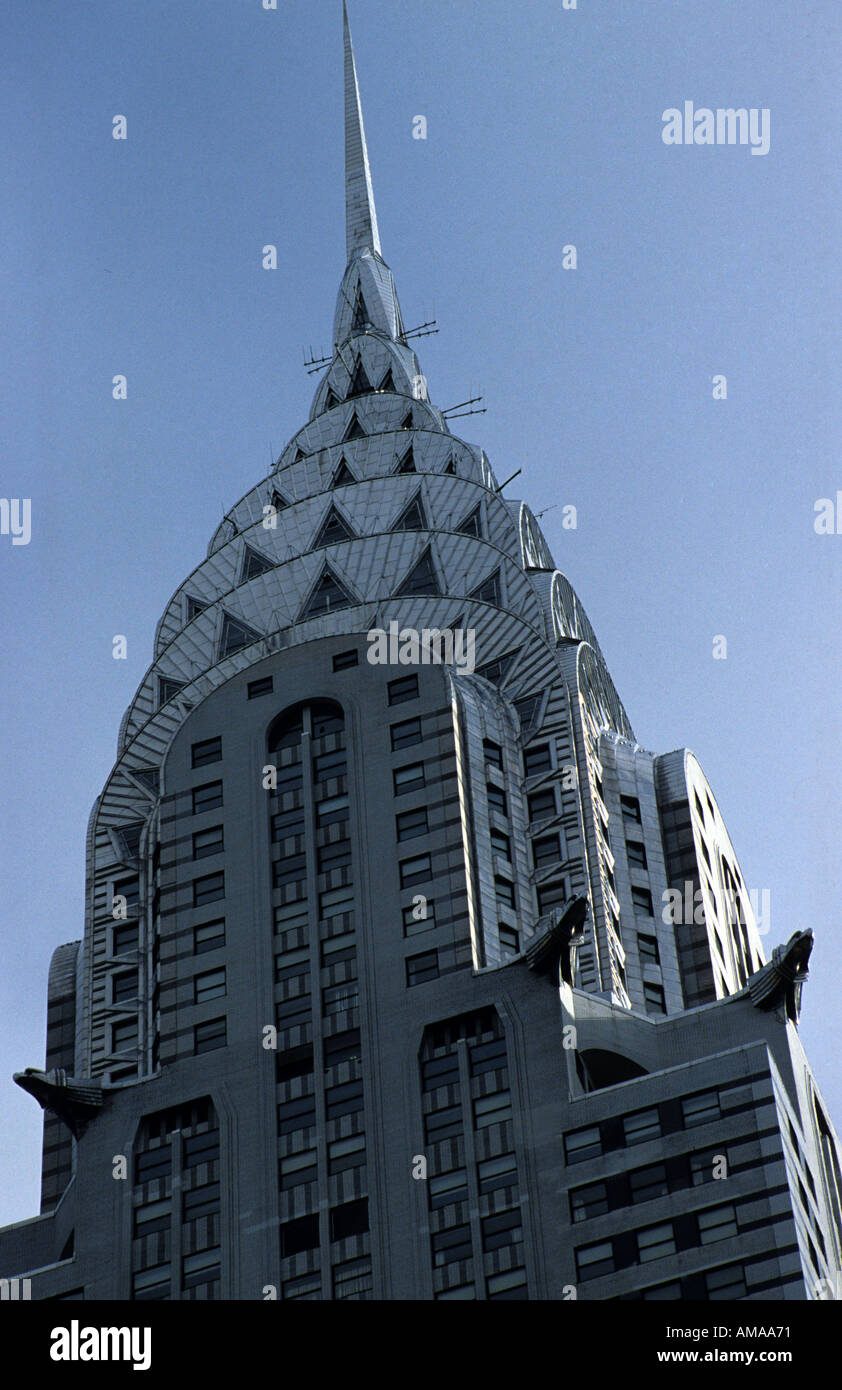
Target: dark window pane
125, 940
590, 1201
404, 689
344, 1100
547, 850
493, 753
207, 936
297, 1114
415, 870
299, 1235
351, 1219
405, 734
537, 759
208, 889
261, 687
541, 804
209, 1036
156, 1163
410, 824
422, 967
408, 779
124, 986
208, 751
207, 842
207, 797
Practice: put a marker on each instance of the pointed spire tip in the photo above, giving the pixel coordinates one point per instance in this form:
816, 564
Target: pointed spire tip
360, 212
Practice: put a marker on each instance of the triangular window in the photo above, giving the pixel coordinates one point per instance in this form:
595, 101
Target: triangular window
327, 596
333, 529
413, 517
331, 399
360, 314
128, 839
489, 590
527, 708
253, 564
235, 634
354, 430
407, 424
472, 525
278, 501
147, 776
343, 475
360, 383
195, 606
451, 467
299, 455
388, 382
422, 578
496, 671
167, 688
407, 463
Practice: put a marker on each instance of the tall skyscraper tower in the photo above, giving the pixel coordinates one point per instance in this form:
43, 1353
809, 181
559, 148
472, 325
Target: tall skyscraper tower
406, 972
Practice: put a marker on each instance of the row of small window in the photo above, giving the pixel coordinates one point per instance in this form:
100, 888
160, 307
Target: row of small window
350, 1219
493, 1175
295, 965
191, 1115
509, 1285
209, 751
298, 1011
209, 795
644, 1184
488, 1110
444, 1071
425, 965
726, 1283
351, 1280
328, 766
535, 760
196, 1149
499, 1231
334, 810
656, 1243
196, 1204
301, 1169
642, 1126
293, 867
210, 888
300, 1113
197, 1270
337, 1050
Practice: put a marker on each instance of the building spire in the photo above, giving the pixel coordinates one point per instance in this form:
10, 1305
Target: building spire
360, 212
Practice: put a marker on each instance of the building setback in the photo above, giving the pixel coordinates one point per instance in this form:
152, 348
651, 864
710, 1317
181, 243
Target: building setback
418, 980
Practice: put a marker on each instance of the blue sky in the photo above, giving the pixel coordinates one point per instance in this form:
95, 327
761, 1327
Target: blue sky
544, 129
